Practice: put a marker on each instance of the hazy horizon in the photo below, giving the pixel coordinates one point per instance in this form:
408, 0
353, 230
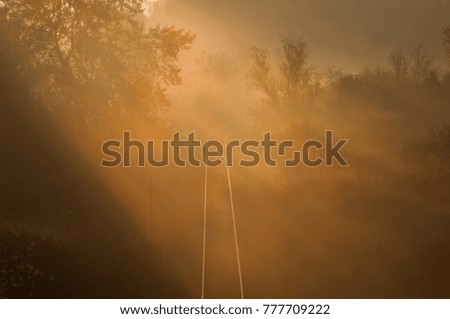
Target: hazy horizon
346, 35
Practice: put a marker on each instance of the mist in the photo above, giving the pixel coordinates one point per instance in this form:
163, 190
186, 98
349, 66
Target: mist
376, 73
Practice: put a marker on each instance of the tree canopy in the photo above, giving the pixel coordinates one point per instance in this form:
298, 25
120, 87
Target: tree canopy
93, 55
284, 87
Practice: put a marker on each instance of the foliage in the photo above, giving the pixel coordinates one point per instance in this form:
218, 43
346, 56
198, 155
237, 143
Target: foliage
432, 152
421, 64
400, 63
285, 87
94, 55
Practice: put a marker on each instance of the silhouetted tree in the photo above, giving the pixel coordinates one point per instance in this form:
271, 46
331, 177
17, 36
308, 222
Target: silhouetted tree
294, 67
94, 54
421, 64
284, 87
400, 62
260, 75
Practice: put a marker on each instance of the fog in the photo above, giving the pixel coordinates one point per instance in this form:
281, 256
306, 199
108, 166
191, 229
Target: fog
344, 34
376, 73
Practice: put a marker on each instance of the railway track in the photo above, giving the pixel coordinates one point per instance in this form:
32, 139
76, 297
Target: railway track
218, 273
